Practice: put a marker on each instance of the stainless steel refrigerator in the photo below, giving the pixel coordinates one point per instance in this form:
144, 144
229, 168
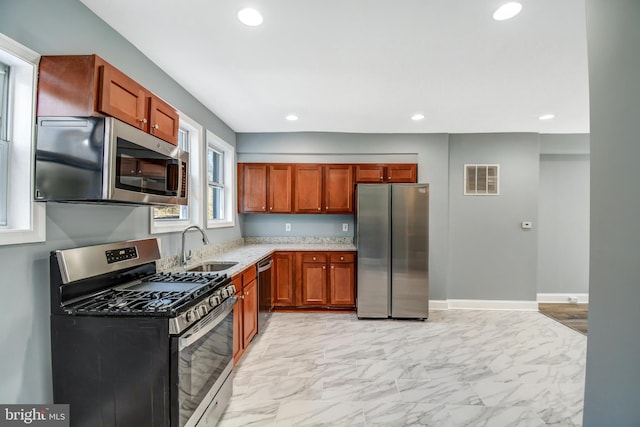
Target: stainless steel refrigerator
392, 237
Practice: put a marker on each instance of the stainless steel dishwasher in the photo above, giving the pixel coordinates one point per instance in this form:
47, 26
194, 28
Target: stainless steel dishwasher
265, 305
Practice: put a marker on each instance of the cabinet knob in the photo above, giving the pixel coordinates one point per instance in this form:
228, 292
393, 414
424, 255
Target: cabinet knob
324, 267
333, 267
314, 258
143, 120
242, 296
341, 258
318, 208
155, 126
388, 177
263, 208
271, 208
381, 178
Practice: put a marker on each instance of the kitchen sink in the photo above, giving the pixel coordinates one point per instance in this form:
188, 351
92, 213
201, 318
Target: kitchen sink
213, 266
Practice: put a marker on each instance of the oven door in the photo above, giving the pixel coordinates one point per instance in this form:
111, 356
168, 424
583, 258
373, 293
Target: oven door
202, 361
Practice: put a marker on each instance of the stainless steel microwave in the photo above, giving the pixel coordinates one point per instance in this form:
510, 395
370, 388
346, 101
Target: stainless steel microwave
104, 160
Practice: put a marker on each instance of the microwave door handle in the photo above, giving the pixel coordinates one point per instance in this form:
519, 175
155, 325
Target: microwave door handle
189, 339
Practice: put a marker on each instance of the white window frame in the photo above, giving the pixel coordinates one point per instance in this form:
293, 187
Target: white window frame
26, 219
482, 165
229, 184
194, 186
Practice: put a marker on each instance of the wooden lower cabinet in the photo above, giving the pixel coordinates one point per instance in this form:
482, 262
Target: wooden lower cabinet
245, 314
282, 279
342, 280
324, 280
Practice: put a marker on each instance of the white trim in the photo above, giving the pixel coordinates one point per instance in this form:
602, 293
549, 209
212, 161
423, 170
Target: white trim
197, 174
473, 304
26, 218
563, 298
438, 304
229, 181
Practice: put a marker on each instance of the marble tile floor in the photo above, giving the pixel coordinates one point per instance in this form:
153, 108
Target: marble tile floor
458, 368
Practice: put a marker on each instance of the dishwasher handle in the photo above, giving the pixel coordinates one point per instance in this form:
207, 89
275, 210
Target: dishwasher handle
264, 265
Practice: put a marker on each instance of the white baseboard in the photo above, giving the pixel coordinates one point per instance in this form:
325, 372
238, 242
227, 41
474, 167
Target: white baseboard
563, 298
438, 304
473, 304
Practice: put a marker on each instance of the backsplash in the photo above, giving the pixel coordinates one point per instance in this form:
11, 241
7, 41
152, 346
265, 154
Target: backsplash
298, 240
197, 255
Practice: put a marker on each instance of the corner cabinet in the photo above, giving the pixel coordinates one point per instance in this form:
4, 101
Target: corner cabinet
87, 85
265, 188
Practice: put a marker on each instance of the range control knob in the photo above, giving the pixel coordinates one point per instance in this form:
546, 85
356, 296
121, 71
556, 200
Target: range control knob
231, 289
203, 310
214, 301
190, 316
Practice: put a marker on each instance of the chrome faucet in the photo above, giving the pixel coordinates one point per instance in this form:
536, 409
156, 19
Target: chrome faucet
186, 257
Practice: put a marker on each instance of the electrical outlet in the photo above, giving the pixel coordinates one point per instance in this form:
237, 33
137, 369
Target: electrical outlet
526, 225
287, 227
345, 227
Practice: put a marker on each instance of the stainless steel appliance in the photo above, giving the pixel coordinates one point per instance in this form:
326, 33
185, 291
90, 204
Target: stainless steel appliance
133, 347
265, 305
104, 160
392, 237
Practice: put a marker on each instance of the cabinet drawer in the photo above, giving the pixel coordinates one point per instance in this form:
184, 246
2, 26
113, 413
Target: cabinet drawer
343, 257
314, 257
248, 275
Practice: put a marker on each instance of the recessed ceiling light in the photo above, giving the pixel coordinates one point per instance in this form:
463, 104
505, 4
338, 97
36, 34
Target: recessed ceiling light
507, 11
546, 117
292, 117
417, 117
250, 17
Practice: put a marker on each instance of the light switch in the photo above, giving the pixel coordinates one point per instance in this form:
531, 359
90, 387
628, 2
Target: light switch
526, 224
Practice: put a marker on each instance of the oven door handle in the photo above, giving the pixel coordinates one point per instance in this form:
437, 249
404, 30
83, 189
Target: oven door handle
216, 318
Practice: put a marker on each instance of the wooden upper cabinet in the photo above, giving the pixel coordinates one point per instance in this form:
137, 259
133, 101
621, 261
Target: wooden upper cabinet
369, 173
87, 85
386, 173
338, 189
121, 97
252, 180
164, 121
280, 188
402, 173
308, 188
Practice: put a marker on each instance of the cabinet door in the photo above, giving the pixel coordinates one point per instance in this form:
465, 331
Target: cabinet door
249, 312
369, 173
121, 97
338, 189
401, 173
280, 188
308, 188
342, 280
253, 190
314, 280
163, 120
283, 292
237, 321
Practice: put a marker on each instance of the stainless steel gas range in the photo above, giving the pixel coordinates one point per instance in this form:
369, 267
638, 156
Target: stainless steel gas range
133, 347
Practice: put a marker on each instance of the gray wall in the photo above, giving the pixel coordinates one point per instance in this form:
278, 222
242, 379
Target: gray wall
68, 27
490, 256
431, 152
563, 230
612, 390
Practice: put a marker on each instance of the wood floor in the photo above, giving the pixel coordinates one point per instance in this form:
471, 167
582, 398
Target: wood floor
572, 315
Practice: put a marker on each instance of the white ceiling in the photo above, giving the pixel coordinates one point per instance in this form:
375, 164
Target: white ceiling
369, 65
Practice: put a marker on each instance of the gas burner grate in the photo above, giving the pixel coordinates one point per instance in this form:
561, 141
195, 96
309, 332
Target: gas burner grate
131, 302
184, 277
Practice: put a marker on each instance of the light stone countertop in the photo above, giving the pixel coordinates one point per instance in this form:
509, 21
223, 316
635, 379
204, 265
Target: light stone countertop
249, 251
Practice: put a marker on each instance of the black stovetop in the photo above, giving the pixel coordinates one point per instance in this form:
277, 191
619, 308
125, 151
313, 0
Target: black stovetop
162, 294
